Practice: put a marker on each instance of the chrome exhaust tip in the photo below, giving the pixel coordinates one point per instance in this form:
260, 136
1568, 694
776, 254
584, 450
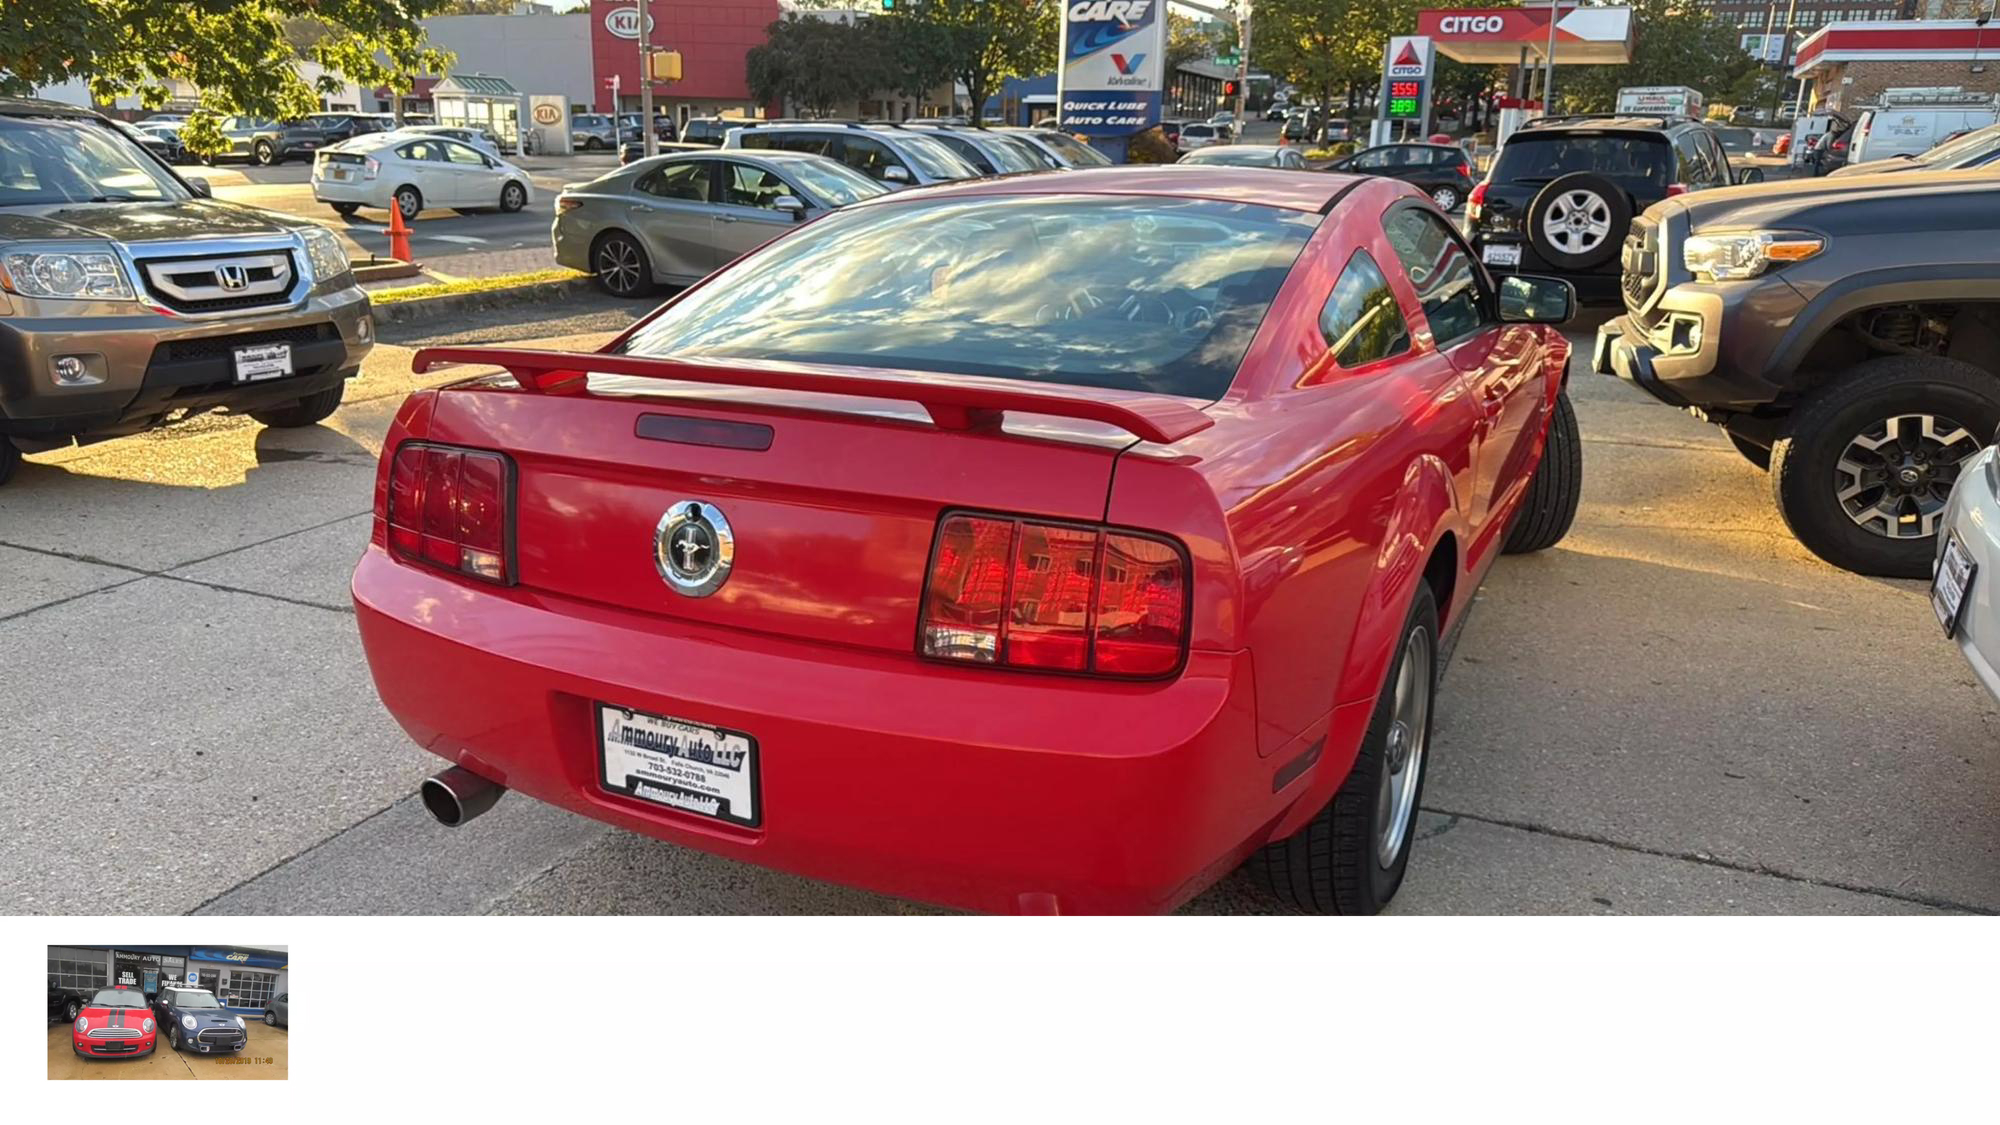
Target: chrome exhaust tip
457, 795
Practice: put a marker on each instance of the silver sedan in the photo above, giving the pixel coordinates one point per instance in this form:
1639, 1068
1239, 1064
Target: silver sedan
673, 220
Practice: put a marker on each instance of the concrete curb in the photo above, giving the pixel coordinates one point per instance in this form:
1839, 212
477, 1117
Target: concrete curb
421, 310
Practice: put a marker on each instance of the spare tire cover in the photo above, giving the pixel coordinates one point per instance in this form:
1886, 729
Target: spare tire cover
1579, 220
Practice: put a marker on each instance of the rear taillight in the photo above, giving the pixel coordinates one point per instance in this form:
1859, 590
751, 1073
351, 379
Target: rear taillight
449, 507
369, 167
1677, 189
567, 203
1055, 596
1476, 202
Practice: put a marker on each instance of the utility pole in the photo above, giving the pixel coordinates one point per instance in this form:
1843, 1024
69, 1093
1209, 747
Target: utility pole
646, 137
1549, 65
1242, 62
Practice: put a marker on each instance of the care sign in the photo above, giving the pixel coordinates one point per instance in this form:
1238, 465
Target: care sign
1113, 66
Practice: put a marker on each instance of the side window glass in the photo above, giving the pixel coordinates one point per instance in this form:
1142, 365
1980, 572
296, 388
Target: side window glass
1360, 320
687, 182
817, 143
868, 156
459, 154
1375, 158
745, 186
966, 149
1454, 298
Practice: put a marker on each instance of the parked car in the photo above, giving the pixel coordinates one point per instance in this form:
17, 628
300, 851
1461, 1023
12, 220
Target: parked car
1170, 129
335, 127
1198, 135
1343, 373
593, 132
1975, 149
992, 153
1906, 130
629, 123
165, 118
170, 134
414, 170
1562, 192
1737, 140
1276, 111
1065, 149
114, 1023
1336, 131
892, 156
1248, 156
1225, 122
675, 219
65, 1004
1841, 332
129, 297
710, 130
278, 1013
152, 142
194, 1019
1442, 171
482, 139
263, 141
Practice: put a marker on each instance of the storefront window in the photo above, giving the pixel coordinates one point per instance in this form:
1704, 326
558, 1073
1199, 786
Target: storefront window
244, 988
83, 975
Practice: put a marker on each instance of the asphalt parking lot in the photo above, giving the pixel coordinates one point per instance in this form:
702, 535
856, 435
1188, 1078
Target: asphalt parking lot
266, 1056
1677, 710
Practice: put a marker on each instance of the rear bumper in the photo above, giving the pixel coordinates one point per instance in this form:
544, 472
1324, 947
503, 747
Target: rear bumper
981, 789
1973, 515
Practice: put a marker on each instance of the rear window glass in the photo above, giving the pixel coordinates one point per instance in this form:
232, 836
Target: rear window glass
1123, 292
1530, 158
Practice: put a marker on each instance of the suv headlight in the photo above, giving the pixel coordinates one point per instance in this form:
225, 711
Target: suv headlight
80, 272
1737, 254
187, 1022
327, 255
146, 1025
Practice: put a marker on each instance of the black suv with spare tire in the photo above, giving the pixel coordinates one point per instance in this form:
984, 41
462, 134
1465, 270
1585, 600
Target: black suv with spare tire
1844, 333
1563, 190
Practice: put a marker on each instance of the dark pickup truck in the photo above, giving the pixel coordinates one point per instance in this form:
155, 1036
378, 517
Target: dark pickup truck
1845, 334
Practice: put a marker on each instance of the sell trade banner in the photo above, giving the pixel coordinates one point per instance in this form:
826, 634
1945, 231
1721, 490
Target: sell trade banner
1114, 65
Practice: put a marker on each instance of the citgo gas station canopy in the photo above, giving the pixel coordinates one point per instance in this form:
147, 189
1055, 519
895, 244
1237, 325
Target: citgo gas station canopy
1495, 36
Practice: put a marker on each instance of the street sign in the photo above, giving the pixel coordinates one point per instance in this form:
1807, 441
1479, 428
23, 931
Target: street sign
1406, 74
1113, 66
1228, 60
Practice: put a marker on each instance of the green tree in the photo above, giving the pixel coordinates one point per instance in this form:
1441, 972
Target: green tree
989, 41
236, 52
1330, 47
1187, 40
811, 62
1674, 44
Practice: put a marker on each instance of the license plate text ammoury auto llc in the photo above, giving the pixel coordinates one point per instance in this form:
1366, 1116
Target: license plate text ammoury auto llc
263, 361
1501, 254
1952, 583
681, 765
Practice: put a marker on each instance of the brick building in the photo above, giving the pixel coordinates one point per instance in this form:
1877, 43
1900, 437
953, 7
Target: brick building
1847, 65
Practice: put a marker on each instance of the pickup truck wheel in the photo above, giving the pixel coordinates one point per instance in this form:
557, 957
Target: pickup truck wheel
72, 1009
10, 459
1863, 467
308, 411
1350, 859
1758, 455
1546, 513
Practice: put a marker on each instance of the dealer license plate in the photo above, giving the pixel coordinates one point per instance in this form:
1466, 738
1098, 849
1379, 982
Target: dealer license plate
263, 361
1501, 254
1952, 582
687, 766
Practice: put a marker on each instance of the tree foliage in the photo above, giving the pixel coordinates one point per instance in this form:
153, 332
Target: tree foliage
238, 53
1327, 46
811, 62
990, 41
1674, 44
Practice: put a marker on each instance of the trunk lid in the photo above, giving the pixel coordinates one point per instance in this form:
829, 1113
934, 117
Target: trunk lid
831, 500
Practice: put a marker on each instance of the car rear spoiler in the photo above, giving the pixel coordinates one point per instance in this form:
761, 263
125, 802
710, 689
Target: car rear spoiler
955, 402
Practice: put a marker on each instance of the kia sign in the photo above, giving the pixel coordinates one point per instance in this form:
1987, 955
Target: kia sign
1113, 66
624, 22
1496, 36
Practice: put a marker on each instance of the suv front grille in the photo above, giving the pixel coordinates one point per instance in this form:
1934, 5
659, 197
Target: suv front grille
1639, 264
221, 283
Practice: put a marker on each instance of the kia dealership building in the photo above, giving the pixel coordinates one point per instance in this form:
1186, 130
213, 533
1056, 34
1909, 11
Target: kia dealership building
243, 977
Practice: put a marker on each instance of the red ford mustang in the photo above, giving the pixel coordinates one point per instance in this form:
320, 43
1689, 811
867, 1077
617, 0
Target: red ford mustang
116, 1023
1047, 543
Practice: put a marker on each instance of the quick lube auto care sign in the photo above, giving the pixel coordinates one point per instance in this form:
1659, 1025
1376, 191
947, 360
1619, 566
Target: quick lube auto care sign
1113, 66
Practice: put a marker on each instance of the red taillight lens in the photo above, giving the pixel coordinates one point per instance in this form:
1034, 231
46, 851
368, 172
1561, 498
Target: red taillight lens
1677, 189
448, 507
1063, 597
1475, 202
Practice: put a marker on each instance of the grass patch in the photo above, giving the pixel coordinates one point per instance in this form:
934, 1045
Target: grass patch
471, 285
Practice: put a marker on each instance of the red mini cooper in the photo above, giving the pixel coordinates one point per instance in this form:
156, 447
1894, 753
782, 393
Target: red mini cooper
116, 1023
1045, 543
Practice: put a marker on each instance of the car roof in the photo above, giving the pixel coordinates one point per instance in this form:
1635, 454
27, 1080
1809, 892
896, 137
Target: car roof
1294, 191
42, 107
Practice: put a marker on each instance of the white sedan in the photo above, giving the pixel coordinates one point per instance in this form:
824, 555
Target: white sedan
412, 171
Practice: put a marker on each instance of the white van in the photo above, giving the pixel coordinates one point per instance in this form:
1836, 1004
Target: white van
1898, 130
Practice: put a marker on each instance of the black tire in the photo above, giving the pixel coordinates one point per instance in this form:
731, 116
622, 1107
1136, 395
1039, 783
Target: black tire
513, 196
1331, 865
1806, 479
174, 1038
346, 210
1546, 513
270, 1018
308, 411
263, 153
1758, 455
409, 201
73, 1008
1446, 197
613, 262
592, 144
1615, 213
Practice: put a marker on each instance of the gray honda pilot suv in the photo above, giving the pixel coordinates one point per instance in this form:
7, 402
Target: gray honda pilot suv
130, 299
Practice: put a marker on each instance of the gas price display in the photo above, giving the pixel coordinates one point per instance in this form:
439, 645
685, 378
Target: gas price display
1406, 98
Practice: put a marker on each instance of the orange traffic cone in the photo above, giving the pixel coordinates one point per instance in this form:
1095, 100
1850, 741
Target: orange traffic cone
399, 234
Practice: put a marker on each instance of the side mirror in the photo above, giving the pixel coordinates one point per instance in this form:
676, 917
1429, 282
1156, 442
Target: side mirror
1750, 174
896, 174
793, 204
1526, 299
200, 187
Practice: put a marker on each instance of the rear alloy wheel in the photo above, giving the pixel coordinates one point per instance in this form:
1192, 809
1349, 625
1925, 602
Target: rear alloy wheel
1350, 859
1445, 197
308, 411
409, 201
74, 1009
1549, 508
513, 197
264, 153
1579, 221
621, 267
271, 1019
1864, 466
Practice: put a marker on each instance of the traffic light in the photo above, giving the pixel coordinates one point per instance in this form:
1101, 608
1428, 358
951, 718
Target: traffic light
1228, 88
